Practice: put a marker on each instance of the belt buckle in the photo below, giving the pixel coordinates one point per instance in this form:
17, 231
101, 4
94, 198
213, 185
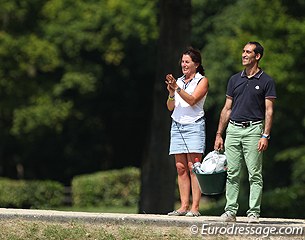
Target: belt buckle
245, 124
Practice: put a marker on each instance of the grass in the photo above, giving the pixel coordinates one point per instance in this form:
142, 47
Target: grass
76, 230
32, 230
39, 230
205, 208
102, 209
18, 229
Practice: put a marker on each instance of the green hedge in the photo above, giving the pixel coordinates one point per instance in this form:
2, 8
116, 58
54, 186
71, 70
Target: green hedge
278, 203
30, 194
107, 188
286, 202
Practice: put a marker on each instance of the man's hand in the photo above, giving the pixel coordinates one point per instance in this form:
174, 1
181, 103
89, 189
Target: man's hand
218, 145
262, 144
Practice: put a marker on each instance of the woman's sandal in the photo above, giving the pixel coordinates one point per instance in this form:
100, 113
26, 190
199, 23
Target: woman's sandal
177, 213
192, 214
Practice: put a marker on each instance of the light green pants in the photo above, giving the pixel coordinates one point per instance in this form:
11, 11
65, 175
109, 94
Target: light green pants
241, 145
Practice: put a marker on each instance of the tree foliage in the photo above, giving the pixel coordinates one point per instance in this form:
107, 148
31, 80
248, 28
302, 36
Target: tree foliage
280, 33
58, 61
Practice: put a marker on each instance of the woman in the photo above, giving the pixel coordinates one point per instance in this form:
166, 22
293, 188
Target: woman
186, 99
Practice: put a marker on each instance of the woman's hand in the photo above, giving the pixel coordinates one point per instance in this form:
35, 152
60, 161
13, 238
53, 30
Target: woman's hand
170, 90
171, 83
170, 80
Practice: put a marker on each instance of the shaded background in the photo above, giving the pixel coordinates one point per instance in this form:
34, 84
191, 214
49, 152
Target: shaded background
82, 85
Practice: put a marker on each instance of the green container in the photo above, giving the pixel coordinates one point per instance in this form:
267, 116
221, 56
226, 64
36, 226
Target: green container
213, 183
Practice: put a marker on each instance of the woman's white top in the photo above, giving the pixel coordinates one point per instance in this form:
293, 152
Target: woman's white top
183, 112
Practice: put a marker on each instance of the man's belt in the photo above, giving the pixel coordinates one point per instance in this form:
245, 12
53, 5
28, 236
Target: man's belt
246, 123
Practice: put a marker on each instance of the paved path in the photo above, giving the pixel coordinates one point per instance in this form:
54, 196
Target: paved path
148, 219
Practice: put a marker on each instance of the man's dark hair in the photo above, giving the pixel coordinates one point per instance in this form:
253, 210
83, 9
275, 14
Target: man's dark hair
258, 48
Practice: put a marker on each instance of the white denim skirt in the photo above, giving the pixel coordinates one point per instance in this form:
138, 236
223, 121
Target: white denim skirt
187, 138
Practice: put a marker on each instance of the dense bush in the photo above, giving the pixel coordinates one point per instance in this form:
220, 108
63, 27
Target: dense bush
280, 202
107, 188
30, 194
287, 201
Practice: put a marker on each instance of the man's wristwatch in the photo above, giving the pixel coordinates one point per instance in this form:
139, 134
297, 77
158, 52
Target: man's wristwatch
178, 89
266, 136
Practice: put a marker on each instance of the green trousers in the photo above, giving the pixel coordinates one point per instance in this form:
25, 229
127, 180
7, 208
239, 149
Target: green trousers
241, 145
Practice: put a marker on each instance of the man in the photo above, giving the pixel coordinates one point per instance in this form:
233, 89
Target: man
247, 115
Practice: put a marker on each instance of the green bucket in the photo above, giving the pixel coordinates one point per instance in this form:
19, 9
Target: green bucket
213, 183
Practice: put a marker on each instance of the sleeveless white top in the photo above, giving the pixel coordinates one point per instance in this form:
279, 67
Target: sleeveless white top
183, 112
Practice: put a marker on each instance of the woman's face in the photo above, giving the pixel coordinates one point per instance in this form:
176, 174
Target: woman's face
187, 65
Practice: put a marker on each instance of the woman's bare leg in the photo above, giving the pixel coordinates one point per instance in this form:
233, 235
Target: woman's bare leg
196, 193
184, 182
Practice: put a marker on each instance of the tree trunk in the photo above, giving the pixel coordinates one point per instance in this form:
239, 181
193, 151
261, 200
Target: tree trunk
158, 173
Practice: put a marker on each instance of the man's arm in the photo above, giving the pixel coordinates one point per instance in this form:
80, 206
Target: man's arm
223, 122
268, 115
263, 142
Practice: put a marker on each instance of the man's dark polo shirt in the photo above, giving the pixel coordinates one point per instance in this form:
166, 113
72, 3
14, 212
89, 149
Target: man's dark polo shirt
249, 95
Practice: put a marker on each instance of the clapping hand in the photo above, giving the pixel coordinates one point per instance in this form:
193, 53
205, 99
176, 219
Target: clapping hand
171, 82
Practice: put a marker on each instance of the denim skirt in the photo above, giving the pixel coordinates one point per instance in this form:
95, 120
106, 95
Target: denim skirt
187, 138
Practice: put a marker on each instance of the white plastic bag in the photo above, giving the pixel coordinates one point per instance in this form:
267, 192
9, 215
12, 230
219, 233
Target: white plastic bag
214, 162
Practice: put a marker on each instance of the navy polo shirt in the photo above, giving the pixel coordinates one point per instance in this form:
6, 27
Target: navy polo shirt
249, 94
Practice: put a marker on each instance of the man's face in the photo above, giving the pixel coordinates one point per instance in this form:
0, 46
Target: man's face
249, 58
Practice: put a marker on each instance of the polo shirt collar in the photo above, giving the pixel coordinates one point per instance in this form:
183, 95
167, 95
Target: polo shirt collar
257, 75
197, 75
